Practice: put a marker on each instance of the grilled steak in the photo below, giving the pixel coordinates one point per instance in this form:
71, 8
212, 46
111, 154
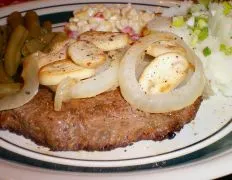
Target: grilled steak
103, 122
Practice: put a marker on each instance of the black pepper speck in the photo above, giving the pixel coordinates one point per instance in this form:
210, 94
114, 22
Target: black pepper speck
27, 92
171, 135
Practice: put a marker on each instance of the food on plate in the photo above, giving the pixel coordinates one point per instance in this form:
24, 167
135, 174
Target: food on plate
95, 85
54, 73
15, 19
208, 31
20, 37
30, 85
162, 47
172, 100
106, 88
110, 19
13, 55
106, 41
47, 25
164, 73
32, 23
7, 89
86, 54
5, 78
55, 51
39, 43
102, 122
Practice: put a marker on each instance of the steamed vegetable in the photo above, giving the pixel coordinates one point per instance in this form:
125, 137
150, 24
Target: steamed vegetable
4, 77
3, 40
226, 49
15, 19
30, 86
13, 51
32, 24
47, 25
37, 44
206, 51
178, 21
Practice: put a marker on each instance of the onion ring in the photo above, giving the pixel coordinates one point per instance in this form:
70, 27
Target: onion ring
30, 87
165, 102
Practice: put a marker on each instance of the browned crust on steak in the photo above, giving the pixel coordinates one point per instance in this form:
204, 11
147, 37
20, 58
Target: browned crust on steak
104, 122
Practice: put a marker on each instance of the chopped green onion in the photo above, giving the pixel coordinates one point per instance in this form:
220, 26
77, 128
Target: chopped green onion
229, 51
206, 51
227, 7
203, 34
222, 47
199, 32
201, 23
178, 21
226, 49
196, 31
194, 40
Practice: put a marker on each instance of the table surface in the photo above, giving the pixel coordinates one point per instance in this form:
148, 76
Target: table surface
8, 2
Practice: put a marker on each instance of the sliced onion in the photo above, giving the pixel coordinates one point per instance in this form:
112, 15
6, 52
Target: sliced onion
63, 92
160, 23
106, 79
30, 87
98, 84
58, 52
104, 66
165, 102
70, 88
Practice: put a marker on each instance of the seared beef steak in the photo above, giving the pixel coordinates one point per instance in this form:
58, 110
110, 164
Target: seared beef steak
104, 122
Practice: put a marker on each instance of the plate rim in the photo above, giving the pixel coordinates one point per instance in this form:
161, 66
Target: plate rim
164, 172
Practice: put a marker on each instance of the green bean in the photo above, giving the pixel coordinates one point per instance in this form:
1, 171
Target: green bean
32, 23
3, 40
37, 44
32, 46
47, 38
47, 25
9, 88
15, 19
59, 37
13, 51
4, 77
1, 44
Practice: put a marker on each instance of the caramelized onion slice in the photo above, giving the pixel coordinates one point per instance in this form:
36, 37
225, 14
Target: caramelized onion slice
165, 102
30, 87
106, 79
98, 84
63, 92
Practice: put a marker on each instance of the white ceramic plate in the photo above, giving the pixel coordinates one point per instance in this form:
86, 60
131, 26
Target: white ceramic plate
196, 141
